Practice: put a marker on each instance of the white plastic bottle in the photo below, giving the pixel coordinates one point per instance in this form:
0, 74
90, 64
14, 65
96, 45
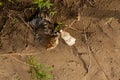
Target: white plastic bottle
67, 38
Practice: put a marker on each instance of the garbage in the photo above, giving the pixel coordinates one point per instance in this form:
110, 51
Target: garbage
67, 38
54, 30
39, 23
53, 42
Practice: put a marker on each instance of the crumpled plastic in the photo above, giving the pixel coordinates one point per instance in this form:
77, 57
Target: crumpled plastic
54, 30
39, 23
69, 40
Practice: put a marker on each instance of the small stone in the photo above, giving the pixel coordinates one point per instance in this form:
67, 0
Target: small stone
73, 70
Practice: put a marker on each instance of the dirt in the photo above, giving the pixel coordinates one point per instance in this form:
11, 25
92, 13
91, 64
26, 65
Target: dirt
95, 55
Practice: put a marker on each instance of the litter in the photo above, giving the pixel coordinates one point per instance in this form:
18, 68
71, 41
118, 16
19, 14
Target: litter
67, 38
39, 23
53, 42
53, 30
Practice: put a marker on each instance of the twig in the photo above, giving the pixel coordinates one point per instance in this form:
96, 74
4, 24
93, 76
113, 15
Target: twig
70, 26
77, 54
27, 25
92, 4
19, 54
25, 63
78, 19
90, 53
17, 60
90, 50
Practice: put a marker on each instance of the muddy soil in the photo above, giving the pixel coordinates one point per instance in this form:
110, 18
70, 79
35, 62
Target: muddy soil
95, 55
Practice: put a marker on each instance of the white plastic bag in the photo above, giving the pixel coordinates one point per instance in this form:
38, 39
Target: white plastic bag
68, 38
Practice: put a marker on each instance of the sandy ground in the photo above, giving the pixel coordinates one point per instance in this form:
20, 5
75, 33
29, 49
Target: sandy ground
95, 55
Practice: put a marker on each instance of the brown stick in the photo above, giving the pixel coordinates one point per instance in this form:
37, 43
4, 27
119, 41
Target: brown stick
90, 53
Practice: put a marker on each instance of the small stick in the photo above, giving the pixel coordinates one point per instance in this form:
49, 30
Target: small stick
28, 26
19, 61
25, 63
90, 53
70, 26
19, 54
90, 3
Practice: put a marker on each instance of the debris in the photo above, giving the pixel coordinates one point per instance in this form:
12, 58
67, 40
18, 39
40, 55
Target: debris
54, 30
53, 42
109, 21
68, 38
39, 23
